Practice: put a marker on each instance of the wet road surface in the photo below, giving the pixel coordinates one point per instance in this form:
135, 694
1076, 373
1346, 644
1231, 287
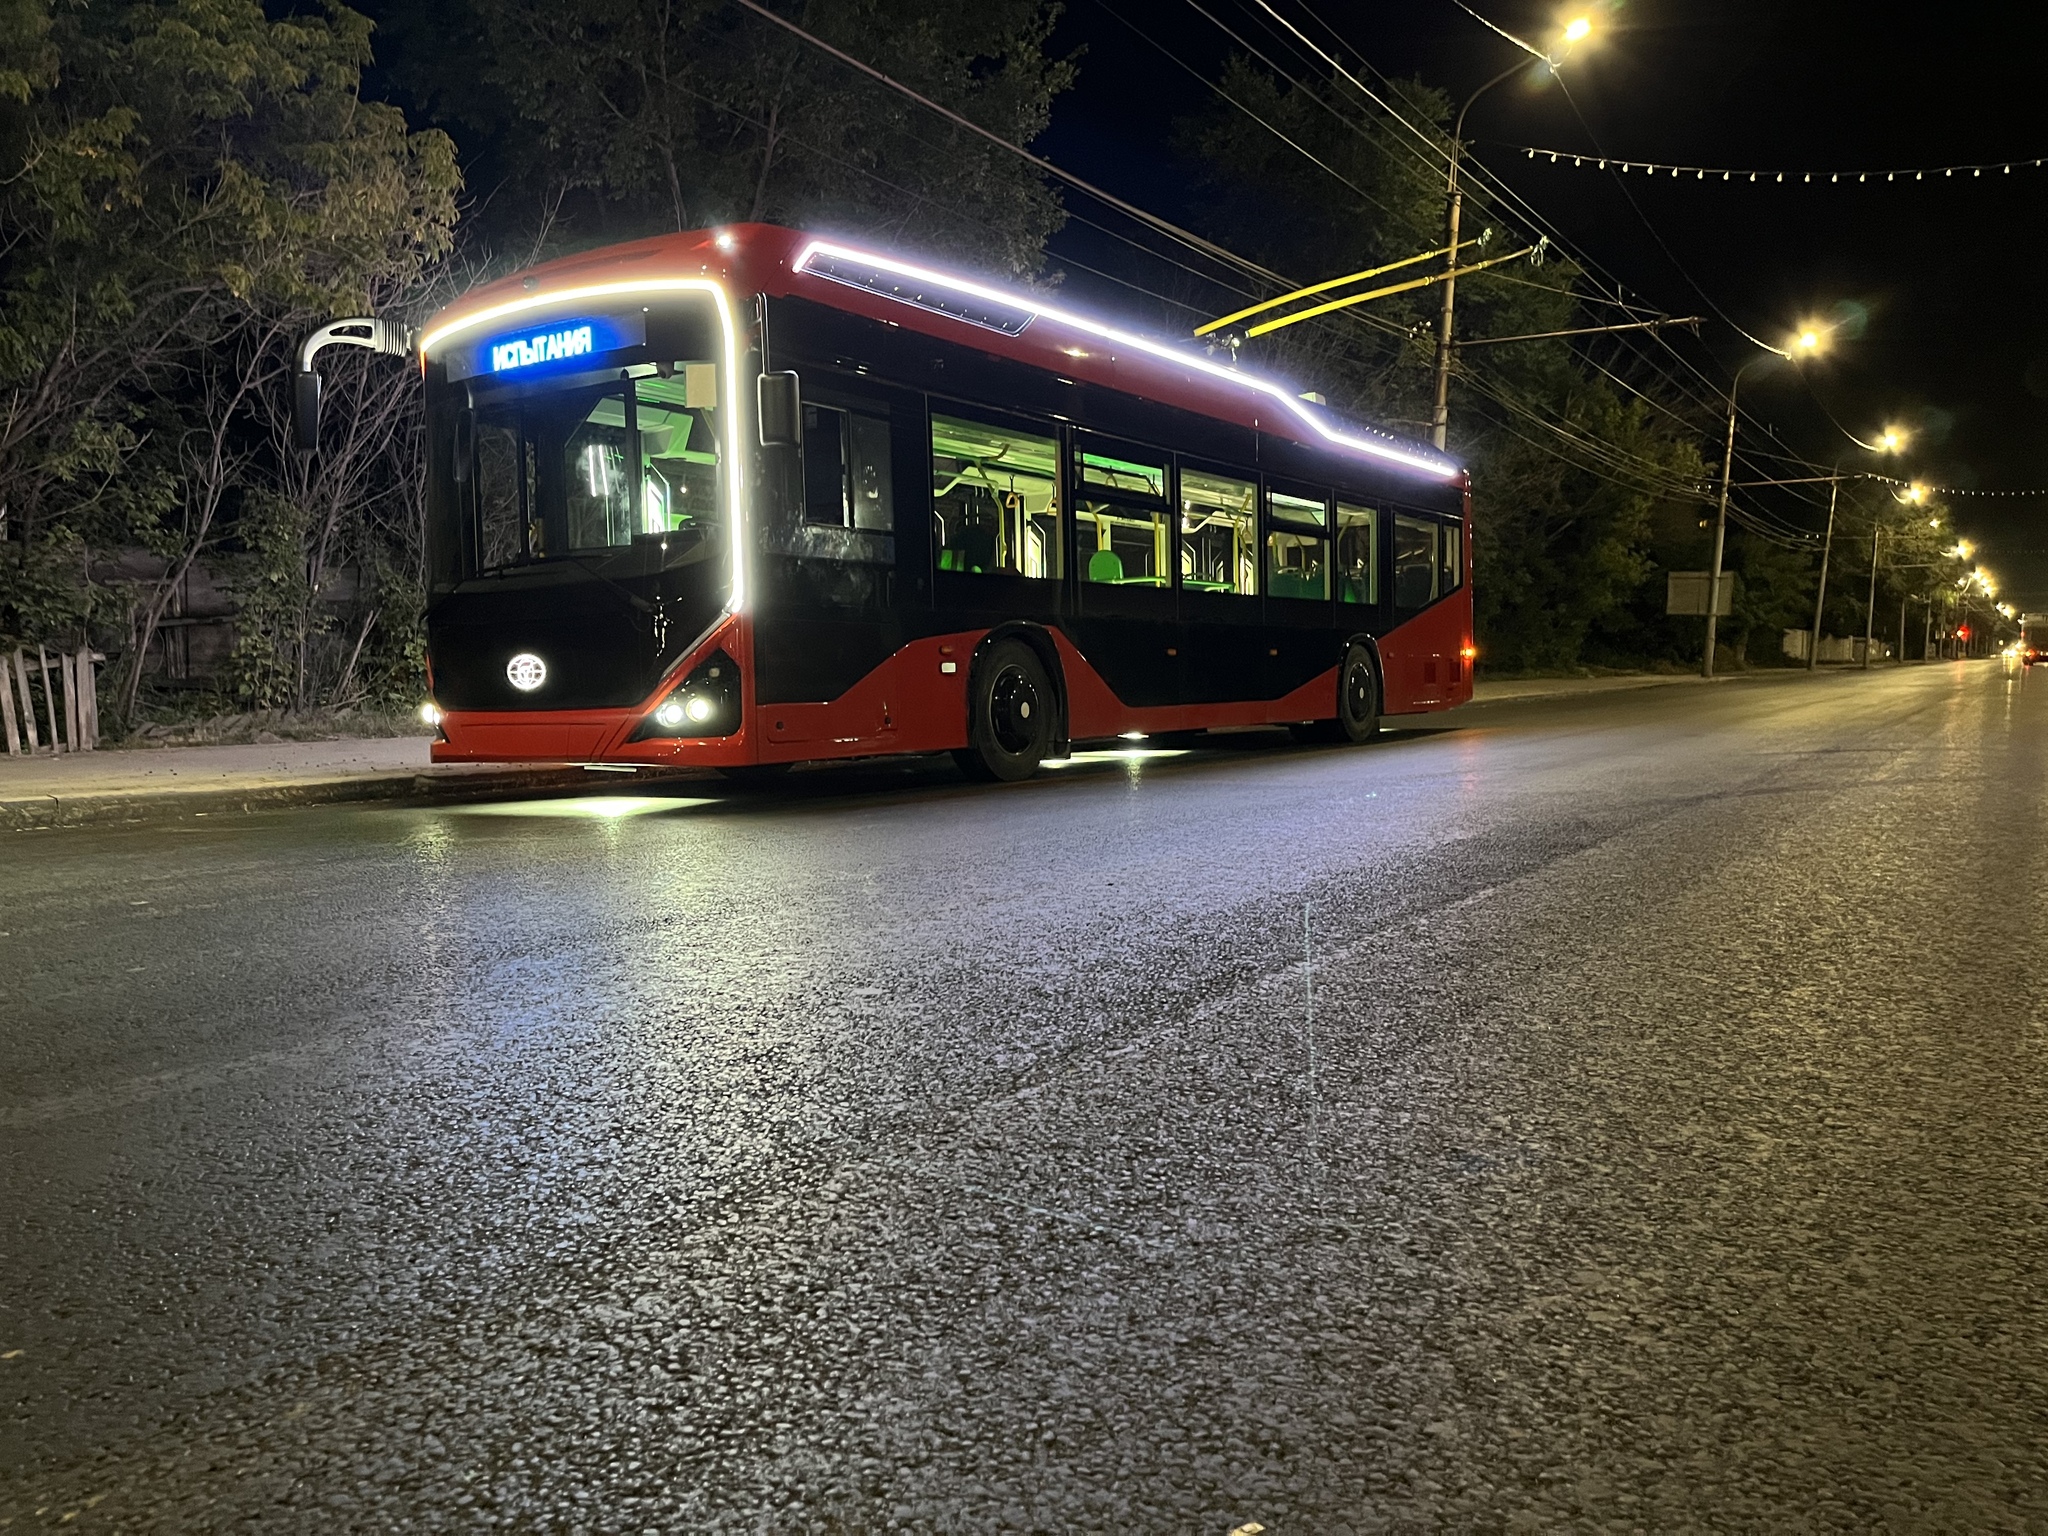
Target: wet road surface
1618, 1112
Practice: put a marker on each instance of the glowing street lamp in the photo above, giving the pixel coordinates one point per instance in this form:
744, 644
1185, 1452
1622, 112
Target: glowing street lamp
1892, 441
1575, 30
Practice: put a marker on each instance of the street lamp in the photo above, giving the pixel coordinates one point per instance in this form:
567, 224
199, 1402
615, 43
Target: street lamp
1807, 343
1892, 440
1576, 31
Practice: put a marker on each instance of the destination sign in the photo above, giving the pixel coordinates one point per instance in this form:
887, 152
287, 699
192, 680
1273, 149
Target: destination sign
555, 346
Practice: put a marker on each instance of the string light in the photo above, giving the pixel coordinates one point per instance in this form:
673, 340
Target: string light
1951, 490
1803, 178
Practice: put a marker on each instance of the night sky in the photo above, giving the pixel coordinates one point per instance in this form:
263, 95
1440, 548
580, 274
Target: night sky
1955, 343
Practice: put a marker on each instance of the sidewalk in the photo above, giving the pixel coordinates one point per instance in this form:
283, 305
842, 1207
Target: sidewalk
159, 783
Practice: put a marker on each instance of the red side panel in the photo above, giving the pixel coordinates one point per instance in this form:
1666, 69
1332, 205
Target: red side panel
916, 701
1427, 660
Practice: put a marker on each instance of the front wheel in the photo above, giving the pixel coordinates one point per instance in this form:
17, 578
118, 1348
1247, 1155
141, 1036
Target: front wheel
1010, 709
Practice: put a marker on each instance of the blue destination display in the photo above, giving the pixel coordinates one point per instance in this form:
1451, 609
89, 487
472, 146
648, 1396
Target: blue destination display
541, 347
552, 346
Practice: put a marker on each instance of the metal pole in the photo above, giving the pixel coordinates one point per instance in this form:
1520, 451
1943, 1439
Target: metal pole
1900, 658
1440, 417
1927, 636
1870, 607
1721, 532
1820, 598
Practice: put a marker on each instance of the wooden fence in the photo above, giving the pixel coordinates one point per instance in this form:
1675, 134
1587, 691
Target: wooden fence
50, 704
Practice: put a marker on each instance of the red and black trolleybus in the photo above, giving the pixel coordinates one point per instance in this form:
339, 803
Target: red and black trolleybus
747, 497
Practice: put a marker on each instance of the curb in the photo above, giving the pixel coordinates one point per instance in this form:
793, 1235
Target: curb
36, 813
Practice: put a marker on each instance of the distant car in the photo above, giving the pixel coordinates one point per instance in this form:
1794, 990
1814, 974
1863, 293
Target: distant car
2033, 654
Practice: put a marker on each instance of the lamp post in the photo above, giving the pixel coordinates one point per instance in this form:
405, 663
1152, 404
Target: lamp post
1575, 31
1892, 440
1808, 341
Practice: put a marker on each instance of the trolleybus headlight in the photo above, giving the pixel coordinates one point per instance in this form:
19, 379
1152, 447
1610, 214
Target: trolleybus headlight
429, 715
706, 703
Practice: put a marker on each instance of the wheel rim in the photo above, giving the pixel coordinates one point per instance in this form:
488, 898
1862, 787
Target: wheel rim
1358, 689
1014, 711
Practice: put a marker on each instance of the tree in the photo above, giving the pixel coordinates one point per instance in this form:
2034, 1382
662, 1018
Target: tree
1570, 473
608, 119
195, 183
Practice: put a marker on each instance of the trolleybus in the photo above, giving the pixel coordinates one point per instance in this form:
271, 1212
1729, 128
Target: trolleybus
747, 497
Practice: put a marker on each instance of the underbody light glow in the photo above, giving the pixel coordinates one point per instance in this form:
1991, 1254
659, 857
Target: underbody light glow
1390, 451
586, 807
734, 439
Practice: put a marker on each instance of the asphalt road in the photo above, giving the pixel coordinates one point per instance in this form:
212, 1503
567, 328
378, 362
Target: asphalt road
1625, 1112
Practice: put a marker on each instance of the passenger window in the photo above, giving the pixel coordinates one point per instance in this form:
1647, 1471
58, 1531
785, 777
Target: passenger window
1219, 533
1415, 562
1358, 555
1297, 546
1122, 535
1454, 559
846, 470
995, 498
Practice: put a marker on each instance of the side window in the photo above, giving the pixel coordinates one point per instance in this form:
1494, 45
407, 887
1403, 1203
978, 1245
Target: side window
846, 470
995, 498
1297, 546
1358, 554
1219, 533
1121, 533
1415, 562
1454, 558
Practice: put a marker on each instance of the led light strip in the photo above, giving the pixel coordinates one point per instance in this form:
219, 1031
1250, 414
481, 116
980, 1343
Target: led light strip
433, 339
1440, 468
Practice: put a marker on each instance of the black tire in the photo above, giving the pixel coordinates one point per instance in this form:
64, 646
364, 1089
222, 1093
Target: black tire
1358, 695
1011, 710
1358, 703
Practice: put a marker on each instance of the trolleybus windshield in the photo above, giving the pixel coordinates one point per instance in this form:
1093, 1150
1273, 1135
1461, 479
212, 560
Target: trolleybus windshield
595, 468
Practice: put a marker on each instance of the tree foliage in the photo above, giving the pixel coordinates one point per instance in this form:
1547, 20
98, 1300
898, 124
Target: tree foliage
621, 118
1571, 473
192, 184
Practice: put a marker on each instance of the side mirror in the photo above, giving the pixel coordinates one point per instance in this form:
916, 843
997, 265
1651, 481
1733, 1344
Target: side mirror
781, 411
306, 412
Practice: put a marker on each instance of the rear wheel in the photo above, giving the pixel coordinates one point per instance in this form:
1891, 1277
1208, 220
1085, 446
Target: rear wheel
1358, 703
1010, 714
1358, 695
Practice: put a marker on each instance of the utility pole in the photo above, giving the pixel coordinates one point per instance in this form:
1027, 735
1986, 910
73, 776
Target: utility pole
1870, 608
1820, 598
1440, 416
1721, 532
